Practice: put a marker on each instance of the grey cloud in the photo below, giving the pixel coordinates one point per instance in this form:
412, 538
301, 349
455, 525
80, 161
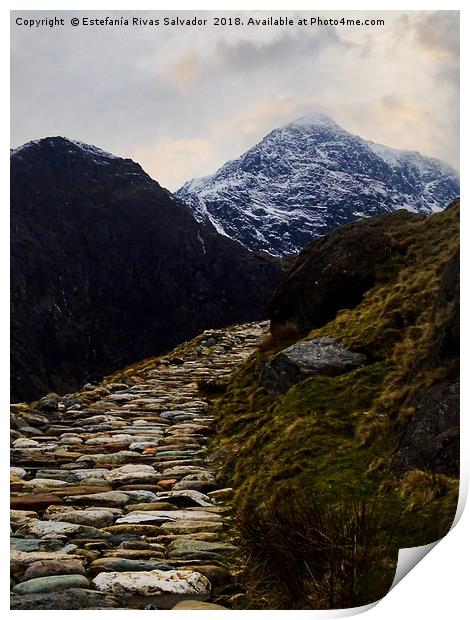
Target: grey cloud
248, 54
439, 32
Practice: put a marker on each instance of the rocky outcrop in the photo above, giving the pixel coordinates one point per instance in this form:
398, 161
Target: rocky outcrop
323, 356
447, 347
334, 272
115, 498
108, 268
431, 440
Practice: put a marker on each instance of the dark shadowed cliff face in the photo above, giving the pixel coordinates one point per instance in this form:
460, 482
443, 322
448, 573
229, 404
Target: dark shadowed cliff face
106, 267
333, 272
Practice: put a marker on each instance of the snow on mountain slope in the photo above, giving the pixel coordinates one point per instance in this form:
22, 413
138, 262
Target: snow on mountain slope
309, 177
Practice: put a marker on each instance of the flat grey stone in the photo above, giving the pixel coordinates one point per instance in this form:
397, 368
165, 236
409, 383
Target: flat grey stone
161, 516
35, 544
93, 518
57, 529
322, 356
113, 499
121, 565
51, 583
181, 547
151, 583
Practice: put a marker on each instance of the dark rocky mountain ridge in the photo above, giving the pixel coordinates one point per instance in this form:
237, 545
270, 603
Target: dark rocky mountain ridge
108, 267
309, 177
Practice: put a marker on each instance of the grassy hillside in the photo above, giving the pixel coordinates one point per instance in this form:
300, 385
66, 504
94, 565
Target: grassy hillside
322, 505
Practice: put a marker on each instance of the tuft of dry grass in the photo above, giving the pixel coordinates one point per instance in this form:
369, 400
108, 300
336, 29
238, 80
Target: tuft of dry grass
420, 488
368, 429
212, 387
281, 336
304, 553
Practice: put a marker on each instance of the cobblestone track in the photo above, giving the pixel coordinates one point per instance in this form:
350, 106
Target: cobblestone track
114, 498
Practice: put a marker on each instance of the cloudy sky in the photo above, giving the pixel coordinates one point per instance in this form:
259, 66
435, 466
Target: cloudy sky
181, 101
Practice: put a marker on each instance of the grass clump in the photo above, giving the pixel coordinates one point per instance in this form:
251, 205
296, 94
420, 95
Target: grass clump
280, 337
311, 554
421, 488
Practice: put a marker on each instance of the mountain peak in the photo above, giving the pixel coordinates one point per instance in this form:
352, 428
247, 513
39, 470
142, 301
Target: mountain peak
309, 177
315, 119
63, 144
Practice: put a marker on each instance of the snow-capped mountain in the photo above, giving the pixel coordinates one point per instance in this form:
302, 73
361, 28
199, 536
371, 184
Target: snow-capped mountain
310, 176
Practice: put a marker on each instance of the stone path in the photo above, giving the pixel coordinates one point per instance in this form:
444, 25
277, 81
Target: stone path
114, 500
